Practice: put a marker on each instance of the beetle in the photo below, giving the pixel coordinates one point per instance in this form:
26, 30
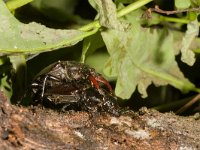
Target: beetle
69, 85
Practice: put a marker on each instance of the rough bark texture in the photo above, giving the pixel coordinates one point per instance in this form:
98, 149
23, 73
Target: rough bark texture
40, 128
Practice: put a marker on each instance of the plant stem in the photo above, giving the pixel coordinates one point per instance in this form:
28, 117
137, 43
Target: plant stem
196, 90
120, 13
14, 4
132, 7
176, 20
189, 104
179, 84
172, 105
197, 50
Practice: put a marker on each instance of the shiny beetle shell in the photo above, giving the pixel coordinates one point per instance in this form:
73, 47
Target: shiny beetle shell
67, 85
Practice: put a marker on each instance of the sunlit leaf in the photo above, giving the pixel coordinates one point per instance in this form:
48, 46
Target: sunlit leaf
107, 14
29, 38
14, 4
140, 57
182, 4
192, 32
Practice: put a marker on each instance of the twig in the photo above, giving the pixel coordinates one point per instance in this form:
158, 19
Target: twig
157, 9
187, 105
169, 12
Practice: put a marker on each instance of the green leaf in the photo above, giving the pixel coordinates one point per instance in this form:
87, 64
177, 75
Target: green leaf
5, 86
192, 32
5, 77
97, 60
107, 14
62, 10
17, 37
90, 45
19, 76
195, 3
14, 4
139, 57
182, 4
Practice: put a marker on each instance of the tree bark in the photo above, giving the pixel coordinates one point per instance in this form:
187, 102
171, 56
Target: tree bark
41, 128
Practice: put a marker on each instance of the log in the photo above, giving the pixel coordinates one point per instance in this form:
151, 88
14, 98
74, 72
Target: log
40, 128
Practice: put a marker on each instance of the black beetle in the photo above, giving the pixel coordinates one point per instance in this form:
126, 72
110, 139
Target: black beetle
69, 85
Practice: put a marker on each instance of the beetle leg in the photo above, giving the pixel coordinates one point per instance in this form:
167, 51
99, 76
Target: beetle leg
104, 81
53, 78
34, 85
43, 85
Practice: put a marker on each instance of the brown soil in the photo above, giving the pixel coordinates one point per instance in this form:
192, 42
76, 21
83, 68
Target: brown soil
40, 128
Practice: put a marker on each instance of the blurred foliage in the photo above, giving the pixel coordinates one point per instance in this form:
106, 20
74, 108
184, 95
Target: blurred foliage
129, 44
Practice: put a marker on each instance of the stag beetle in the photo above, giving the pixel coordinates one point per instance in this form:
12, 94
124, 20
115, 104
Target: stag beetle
69, 85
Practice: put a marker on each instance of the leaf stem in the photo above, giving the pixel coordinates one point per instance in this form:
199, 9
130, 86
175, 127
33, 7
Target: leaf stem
189, 104
197, 50
176, 20
172, 105
120, 13
185, 86
132, 7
